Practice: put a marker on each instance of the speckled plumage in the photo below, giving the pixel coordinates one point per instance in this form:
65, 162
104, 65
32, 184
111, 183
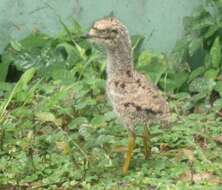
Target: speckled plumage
134, 98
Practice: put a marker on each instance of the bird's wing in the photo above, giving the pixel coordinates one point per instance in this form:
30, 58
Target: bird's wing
144, 96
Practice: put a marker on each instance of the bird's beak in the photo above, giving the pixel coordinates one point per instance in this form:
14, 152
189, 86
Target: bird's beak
86, 36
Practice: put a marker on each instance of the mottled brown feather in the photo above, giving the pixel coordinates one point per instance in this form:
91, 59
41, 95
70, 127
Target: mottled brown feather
134, 98
139, 100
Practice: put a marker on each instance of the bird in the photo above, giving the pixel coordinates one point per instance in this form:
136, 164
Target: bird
134, 98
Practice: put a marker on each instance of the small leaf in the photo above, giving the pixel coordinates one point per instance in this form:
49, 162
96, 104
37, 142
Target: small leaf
69, 49
173, 81
218, 87
84, 104
98, 120
109, 116
45, 116
77, 122
84, 131
199, 96
27, 76
217, 105
215, 53
48, 117
196, 73
63, 146
211, 73
16, 45
81, 51
154, 66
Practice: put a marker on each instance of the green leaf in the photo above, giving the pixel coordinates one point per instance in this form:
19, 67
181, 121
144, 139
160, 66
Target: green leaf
84, 131
85, 103
70, 49
217, 105
182, 95
45, 117
48, 117
16, 45
75, 123
202, 85
200, 96
137, 42
35, 40
173, 81
4, 70
218, 87
144, 58
77, 26
109, 116
58, 72
194, 45
211, 73
22, 112
4, 86
65, 28
215, 53
196, 73
25, 78
154, 66
98, 120
211, 31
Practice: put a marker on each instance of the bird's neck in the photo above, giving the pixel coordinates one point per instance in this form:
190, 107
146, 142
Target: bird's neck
119, 60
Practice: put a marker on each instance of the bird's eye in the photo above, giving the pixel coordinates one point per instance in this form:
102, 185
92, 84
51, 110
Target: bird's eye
101, 31
114, 31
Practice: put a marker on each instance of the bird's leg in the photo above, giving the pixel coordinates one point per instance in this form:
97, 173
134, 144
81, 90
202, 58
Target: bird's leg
146, 142
129, 153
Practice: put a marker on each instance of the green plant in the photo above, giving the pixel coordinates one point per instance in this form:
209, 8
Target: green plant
199, 52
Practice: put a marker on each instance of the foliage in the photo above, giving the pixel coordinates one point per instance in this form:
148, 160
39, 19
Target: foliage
57, 130
199, 52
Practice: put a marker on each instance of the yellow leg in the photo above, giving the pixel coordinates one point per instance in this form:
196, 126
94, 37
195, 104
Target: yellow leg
129, 153
146, 142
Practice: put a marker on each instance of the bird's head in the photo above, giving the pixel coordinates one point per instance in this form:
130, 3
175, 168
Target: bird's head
109, 32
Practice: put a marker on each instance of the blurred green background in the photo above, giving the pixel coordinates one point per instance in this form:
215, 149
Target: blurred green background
159, 20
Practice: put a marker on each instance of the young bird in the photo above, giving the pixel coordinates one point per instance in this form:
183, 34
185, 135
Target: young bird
134, 99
